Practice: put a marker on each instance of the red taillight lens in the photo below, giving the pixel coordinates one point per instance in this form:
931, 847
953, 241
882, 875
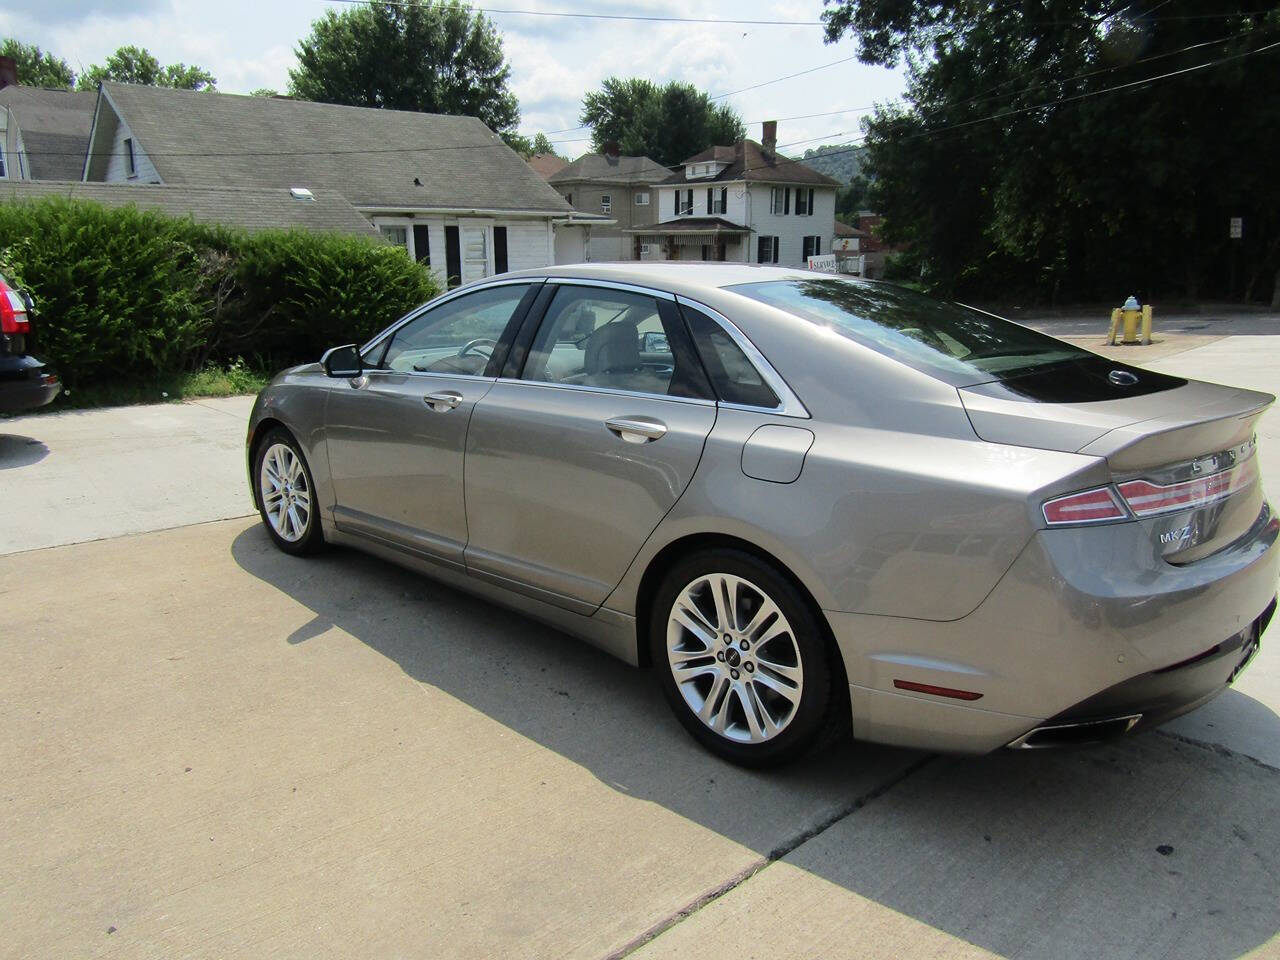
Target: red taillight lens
1147, 499
13, 311
1089, 506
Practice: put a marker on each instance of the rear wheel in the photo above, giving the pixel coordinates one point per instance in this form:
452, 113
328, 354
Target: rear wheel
286, 494
742, 658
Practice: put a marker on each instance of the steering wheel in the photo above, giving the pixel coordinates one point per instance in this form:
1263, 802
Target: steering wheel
476, 344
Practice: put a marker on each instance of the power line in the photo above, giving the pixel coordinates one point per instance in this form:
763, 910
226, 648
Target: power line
789, 76
637, 17
852, 145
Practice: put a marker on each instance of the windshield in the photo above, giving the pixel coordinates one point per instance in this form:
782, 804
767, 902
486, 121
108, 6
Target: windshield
956, 344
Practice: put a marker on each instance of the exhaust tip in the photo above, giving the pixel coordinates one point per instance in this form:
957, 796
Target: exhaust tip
1075, 734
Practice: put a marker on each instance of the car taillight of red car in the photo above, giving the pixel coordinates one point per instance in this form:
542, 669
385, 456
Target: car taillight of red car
13, 311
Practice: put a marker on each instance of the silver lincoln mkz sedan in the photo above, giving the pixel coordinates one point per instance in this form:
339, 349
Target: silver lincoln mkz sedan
805, 500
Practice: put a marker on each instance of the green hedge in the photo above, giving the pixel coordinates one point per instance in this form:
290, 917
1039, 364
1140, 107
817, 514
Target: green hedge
126, 295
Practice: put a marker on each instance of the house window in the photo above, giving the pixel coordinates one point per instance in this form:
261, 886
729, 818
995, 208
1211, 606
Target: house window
646, 249
812, 247
568, 198
801, 199
767, 250
397, 235
642, 198
131, 161
606, 203
780, 201
717, 200
810, 201
684, 203
4, 170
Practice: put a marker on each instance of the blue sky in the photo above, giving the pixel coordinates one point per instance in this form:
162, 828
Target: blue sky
554, 60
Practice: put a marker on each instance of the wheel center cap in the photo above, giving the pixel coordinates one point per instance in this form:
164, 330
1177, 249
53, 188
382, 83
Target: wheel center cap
732, 657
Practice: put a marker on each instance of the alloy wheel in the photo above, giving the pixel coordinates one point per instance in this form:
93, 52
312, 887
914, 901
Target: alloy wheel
734, 658
286, 496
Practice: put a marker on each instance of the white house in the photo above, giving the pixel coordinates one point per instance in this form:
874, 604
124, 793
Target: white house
743, 203
444, 187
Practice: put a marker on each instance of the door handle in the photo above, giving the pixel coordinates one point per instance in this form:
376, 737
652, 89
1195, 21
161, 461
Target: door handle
443, 401
637, 429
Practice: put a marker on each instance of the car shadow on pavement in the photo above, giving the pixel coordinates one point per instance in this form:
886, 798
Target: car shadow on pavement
1155, 846
19, 451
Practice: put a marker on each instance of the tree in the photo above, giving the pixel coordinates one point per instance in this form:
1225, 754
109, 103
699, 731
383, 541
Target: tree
428, 55
541, 144
136, 65
36, 68
665, 123
1013, 167
264, 92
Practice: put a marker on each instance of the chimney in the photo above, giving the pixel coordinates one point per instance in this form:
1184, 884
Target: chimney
611, 149
769, 137
8, 72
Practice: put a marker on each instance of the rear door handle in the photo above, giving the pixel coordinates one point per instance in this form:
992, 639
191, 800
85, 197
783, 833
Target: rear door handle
637, 429
443, 401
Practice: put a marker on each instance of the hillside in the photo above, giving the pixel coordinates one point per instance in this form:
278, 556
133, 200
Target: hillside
842, 163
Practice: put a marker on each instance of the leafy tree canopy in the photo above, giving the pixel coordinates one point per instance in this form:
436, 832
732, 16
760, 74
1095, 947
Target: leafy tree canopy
543, 144
136, 65
666, 123
1013, 168
36, 68
434, 56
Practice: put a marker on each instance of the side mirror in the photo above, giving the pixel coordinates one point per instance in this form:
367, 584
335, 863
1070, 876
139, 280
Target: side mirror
343, 362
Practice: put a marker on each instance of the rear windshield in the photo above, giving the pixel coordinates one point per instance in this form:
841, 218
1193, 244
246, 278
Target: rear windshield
953, 343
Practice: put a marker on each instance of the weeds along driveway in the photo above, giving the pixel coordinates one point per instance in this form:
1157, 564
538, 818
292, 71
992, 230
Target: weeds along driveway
215, 749
89, 474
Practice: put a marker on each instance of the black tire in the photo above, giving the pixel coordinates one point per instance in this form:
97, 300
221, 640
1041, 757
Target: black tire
311, 537
811, 722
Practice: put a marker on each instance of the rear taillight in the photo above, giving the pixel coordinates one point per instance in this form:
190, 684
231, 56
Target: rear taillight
1147, 499
1089, 506
13, 311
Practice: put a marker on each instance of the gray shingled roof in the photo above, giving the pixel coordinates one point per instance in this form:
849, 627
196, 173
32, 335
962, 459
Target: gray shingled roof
602, 168
252, 208
55, 129
747, 161
370, 156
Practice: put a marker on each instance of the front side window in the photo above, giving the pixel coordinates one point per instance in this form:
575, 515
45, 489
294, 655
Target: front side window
642, 199
767, 250
802, 199
686, 202
614, 339
606, 203
457, 337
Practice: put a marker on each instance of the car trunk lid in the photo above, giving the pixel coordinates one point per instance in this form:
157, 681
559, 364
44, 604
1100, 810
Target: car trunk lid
1181, 453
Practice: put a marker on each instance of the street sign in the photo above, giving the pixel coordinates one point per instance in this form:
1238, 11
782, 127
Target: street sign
1237, 228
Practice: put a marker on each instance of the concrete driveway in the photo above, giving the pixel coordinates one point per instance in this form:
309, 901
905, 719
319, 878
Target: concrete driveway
213, 749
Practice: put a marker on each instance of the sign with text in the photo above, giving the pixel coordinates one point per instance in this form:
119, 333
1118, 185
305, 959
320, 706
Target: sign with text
825, 262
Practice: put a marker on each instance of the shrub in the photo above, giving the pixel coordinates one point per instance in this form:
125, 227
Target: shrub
124, 295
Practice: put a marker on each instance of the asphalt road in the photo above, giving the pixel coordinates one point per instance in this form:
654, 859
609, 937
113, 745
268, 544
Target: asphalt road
213, 749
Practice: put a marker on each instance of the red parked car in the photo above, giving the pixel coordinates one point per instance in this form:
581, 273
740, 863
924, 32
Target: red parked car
24, 382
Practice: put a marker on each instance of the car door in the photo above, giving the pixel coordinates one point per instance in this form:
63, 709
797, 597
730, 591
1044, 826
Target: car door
396, 435
582, 447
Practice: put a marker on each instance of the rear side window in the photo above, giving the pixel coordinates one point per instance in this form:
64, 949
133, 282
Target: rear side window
615, 339
734, 376
956, 344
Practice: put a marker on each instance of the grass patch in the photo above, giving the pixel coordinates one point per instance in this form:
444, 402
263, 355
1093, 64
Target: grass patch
235, 379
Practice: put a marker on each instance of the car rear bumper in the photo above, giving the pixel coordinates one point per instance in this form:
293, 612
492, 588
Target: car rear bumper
1081, 628
25, 384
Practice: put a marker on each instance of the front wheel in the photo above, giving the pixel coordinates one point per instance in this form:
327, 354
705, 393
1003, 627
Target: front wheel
286, 494
742, 658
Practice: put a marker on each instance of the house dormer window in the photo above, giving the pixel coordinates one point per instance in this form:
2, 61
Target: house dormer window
4, 170
131, 161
